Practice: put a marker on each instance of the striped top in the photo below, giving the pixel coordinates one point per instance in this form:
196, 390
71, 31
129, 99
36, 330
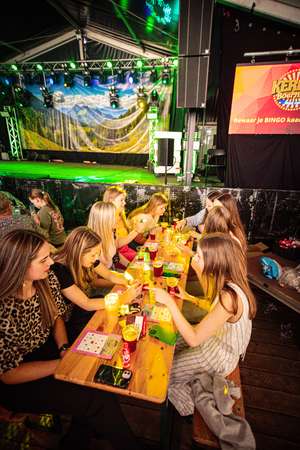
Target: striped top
223, 349
218, 354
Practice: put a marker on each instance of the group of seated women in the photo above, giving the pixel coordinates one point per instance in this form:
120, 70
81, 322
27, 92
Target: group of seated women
46, 300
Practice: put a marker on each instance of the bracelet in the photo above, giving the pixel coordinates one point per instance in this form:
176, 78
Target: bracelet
65, 346
136, 231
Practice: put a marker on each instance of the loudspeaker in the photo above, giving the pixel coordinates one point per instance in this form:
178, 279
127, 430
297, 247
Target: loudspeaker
165, 148
194, 36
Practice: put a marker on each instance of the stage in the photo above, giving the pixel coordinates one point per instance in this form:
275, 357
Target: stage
95, 173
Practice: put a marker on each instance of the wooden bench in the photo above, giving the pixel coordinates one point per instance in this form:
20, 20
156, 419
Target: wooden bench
201, 434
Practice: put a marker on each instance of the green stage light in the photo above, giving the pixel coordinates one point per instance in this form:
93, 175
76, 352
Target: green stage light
166, 76
14, 67
87, 79
73, 65
175, 62
109, 64
48, 98
154, 98
40, 67
139, 63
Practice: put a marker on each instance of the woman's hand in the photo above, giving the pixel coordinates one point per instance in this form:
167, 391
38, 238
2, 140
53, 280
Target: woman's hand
181, 224
162, 296
140, 227
194, 234
36, 219
182, 293
185, 249
132, 293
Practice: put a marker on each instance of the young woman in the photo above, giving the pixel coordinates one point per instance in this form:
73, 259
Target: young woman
77, 268
219, 221
198, 220
117, 196
102, 219
49, 217
217, 342
228, 201
33, 339
148, 214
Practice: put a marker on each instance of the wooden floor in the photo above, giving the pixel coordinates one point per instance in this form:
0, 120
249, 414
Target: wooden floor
270, 377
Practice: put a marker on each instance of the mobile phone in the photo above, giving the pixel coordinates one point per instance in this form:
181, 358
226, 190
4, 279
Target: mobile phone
115, 376
131, 308
167, 336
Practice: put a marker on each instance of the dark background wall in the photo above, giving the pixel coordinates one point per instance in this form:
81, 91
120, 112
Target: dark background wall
266, 214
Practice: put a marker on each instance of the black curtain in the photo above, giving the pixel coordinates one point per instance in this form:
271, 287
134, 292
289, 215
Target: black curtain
254, 161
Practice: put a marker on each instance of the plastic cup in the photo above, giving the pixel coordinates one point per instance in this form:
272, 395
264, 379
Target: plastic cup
175, 221
164, 226
158, 268
172, 285
153, 252
152, 234
141, 255
130, 334
112, 306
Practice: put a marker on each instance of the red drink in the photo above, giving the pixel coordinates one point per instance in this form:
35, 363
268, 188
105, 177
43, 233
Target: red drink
152, 235
152, 252
158, 268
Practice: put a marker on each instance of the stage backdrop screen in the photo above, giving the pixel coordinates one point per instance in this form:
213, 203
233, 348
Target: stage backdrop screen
266, 99
81, 117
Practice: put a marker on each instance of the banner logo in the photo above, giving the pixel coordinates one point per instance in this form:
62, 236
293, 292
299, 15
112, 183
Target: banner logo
286, 91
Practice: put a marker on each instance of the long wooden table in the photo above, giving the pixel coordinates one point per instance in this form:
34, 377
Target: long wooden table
287, 295
150, 363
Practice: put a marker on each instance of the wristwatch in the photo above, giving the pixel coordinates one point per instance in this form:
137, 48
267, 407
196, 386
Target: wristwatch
64, 347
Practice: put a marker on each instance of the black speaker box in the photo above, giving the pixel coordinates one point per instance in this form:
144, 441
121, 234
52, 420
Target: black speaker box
194, 36
165, 149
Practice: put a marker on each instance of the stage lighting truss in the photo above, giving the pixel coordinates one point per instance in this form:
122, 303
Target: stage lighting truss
102, 77
166, 75
114, 97
68, 79
48, 98
142, 98
22, 97
87, 79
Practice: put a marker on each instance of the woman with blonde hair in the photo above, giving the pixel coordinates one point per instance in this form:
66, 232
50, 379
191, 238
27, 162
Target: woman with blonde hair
148, 214
49, 217
228, 201
117, 196
33, 340
215, 345
77, 267
102, 219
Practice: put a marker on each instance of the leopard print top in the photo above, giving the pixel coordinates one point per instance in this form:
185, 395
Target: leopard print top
21, 330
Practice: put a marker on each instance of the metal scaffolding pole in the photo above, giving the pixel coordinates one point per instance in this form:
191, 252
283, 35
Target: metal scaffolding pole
13, 132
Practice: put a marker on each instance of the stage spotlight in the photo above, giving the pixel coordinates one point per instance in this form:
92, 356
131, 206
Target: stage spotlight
166, 76
142, 98
87, 79
5, 95
53, 78
109, 64
40, 67
102, 77
27, 78
48, 98
120, 76
68, 79
14, 67
73, 65
132, 76
114, 98
154, 98
153, 75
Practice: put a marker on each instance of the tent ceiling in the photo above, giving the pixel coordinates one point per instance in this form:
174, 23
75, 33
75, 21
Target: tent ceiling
116, 29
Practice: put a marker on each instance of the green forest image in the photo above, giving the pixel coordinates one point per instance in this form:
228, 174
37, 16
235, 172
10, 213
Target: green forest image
82, 119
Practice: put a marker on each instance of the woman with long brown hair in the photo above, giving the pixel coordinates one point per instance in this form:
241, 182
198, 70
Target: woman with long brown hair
33, 340
148, 214
229, 202
222, 336
48, 217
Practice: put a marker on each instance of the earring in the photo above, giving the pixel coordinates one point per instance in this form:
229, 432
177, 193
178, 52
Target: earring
24, 283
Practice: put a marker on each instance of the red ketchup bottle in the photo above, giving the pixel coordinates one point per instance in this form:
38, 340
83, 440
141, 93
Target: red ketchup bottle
126, 356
